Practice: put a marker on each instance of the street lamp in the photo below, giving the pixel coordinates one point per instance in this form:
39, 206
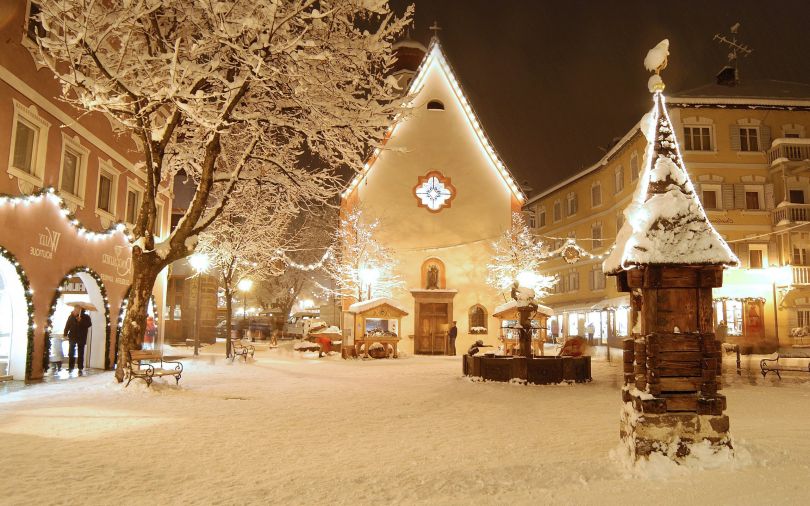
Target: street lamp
369, 275
244, 286
199, 262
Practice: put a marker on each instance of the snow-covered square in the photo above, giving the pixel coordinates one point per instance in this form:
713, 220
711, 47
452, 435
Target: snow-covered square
289, 428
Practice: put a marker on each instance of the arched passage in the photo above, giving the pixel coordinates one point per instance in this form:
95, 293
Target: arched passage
16, 323
79, 285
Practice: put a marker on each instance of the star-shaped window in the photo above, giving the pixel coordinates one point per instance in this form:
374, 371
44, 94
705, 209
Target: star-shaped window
434, 191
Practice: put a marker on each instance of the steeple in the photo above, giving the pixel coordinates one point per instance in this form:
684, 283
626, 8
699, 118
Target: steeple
665, 223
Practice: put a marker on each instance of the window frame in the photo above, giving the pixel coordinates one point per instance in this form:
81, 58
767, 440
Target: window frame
30, 117
470, 322
132, 187
73, 144
699, 122
541, 217
557, 211
596, 242
763, 250
747, 137
634, 172
618, 179
718, 196
108, 169
571, 204
760, 191
596, 187
790, 197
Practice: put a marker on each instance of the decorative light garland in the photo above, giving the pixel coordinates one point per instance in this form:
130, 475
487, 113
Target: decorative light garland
49, 324
29, 301
309, 267
50, 194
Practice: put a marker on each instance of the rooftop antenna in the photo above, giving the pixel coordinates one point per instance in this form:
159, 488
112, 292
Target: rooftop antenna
737, 47
435, 28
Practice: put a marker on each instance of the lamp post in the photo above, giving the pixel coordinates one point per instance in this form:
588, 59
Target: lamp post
245, 285
199, 262
369, 275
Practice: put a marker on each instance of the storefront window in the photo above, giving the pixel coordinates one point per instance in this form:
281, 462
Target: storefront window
730, 311
622, 319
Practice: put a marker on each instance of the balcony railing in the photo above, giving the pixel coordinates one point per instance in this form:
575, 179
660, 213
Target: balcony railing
794, 150
791, 213
801, 275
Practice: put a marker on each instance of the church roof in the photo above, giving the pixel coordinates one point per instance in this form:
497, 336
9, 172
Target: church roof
665, 222
435, 55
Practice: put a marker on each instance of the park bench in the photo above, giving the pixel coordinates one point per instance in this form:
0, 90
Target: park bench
148, 364
238, 347
772, 364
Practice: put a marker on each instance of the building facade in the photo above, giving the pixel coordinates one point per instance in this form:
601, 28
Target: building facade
442, 196
747, 151
70, 189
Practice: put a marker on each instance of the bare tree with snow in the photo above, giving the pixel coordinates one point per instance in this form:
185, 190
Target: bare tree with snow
359, 265
227, 91
517, 258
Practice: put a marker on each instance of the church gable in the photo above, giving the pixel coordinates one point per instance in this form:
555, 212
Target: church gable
441, 125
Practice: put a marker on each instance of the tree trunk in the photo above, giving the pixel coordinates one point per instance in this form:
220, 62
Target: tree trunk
228, 322
145, 269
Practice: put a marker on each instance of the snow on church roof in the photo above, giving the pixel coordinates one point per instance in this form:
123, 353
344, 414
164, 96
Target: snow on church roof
435, 55
665, 222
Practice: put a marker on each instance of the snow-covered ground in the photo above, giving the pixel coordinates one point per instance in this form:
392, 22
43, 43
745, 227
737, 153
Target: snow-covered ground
290, 430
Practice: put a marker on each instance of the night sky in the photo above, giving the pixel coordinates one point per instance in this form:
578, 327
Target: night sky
555, 82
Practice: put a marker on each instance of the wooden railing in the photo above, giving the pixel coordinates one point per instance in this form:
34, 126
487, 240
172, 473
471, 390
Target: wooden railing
791, 213
795, 152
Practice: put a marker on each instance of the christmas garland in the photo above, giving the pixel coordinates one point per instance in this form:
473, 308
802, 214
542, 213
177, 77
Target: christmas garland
49, 326
29, 300
50, 193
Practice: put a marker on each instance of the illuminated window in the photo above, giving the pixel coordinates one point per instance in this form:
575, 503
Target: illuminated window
434, 191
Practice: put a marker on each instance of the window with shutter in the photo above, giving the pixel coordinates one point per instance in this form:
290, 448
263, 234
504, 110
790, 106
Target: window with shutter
633, 167
557, 211
596, 235
132, 206
749, 139
105, 183
739, 196
799, 256
796, 196
618, 179
752, 200
728, 196
710, 199
541, 217
596, 195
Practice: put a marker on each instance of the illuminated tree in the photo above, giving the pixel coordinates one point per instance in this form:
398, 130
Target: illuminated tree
516, 258
361, 267
274, 91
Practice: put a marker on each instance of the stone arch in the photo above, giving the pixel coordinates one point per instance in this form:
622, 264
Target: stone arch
17, 295
97, 355
442, 281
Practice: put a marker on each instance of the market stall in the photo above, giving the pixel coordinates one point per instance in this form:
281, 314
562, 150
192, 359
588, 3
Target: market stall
377, 326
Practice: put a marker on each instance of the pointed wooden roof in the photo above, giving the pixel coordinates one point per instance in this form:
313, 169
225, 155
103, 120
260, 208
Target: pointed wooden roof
665, 223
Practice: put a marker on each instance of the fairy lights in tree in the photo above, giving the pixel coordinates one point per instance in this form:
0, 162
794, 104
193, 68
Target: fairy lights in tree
517, 257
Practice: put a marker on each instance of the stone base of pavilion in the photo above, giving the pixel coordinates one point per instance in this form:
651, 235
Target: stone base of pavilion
535, 370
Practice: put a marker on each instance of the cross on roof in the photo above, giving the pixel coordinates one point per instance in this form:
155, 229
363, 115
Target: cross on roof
435, 28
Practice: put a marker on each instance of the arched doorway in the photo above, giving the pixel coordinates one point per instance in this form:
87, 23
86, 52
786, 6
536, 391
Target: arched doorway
16, 323
79, 285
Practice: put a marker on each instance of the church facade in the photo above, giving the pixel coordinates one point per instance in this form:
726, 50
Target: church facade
442, 196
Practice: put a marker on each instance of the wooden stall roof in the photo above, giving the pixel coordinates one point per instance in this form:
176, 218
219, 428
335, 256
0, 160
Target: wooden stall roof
509, 311
381, 307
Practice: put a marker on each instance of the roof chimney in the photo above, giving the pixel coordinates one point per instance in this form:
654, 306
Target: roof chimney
728, 76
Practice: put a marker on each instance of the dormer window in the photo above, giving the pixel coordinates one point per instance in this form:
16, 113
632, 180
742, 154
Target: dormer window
435, 105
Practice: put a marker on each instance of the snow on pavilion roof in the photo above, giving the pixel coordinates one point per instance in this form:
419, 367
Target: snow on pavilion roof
665, 223
362, 307
435, 56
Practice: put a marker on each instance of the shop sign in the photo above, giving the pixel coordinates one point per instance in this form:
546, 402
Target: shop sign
121, 261
49, 242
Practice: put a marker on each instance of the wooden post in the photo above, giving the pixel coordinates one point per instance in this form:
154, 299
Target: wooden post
525, 334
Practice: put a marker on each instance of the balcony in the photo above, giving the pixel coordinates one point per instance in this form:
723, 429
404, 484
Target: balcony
801, 275
789, 150
787, 213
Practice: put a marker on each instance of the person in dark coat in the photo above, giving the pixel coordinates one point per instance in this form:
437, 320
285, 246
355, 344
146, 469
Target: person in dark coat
76, 331
452, 335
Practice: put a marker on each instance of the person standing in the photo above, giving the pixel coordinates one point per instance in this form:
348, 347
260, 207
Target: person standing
76, 331
452, 337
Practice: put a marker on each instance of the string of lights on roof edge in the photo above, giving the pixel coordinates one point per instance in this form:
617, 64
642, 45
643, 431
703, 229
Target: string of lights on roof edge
435, 53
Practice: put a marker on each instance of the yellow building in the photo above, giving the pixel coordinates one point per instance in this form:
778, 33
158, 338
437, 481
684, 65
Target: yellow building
746, 146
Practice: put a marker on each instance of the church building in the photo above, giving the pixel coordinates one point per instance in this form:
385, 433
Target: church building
442, 196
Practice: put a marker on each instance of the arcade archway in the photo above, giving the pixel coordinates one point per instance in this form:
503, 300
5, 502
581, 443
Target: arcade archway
79, 285
16, 323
